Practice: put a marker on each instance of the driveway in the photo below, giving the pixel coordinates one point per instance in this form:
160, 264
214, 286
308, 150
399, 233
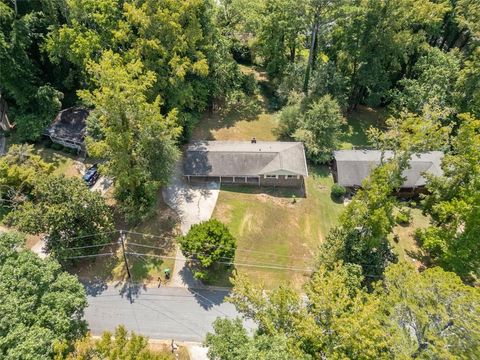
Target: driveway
193, 203
159, 313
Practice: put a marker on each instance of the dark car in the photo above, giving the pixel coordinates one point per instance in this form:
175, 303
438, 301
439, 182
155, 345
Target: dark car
91, 175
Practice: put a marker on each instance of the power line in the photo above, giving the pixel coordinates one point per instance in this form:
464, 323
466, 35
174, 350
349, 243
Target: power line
89, 246
87, 256
228, 263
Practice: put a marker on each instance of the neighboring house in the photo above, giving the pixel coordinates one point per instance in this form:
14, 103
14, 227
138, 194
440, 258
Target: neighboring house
262, 163
351, 167
69, 127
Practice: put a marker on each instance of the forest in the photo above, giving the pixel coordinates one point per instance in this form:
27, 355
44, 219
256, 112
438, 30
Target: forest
150, 69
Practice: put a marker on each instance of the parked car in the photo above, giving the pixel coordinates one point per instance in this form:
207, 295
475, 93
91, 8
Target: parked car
91, 175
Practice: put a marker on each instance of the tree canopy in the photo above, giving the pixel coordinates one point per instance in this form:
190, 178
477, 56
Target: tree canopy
41, 304
206, 243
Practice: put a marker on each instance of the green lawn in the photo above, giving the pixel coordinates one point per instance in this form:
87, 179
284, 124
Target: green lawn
274, 230
358, 122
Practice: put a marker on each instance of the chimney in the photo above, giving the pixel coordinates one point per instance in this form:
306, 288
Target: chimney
254, 141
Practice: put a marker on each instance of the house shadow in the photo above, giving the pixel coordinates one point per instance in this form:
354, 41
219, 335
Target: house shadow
274, 191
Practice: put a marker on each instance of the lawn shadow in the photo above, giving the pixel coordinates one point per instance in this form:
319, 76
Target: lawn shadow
280, 192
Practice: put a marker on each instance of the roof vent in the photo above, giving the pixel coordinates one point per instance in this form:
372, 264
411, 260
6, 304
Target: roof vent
254, 140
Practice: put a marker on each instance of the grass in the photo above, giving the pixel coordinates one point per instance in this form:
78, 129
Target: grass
358, 122
254, 119
274, 230
64, 164
147, 268
407, 247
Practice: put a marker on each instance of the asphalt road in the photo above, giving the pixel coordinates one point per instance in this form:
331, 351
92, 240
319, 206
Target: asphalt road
159, 313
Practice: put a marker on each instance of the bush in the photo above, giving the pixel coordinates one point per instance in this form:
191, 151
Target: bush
404, 216
56, 146
338, 191
205, 244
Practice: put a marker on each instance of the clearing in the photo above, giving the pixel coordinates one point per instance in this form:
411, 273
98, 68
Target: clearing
278, 227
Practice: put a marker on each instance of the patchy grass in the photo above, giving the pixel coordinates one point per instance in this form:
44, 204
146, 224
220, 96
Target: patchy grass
254, 119
64, 164
273, 229
407, 247
358, 122
146, 268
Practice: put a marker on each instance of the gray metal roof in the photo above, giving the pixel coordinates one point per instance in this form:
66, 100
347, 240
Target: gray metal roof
244, 158
353, 166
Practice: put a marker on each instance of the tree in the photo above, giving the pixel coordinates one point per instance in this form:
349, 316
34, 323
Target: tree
362, 236
67, 212
430, 315
409, 315
280, 34
131, 133
19, 169
320, 129
24, 79
432, 82
206, 243
41, 304
452, 239
394, 31
230, 341
116, 346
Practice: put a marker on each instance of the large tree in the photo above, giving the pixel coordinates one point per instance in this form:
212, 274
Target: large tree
41, 304
130, 132
25, 76
409, 315
319, 129
67, 212
453, 204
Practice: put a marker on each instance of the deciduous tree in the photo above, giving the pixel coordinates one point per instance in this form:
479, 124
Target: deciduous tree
206, 243
41, 304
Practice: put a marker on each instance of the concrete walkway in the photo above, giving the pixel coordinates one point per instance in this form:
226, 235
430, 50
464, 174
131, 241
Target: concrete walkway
193, 203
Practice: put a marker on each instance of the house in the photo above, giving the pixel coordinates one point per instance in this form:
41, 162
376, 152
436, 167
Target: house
262, 163
351, 167
69, 127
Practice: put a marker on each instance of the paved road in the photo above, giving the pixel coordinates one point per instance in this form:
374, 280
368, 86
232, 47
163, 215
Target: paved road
159, 313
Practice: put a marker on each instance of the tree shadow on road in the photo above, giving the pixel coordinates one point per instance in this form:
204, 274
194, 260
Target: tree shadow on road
208, 298
130, 290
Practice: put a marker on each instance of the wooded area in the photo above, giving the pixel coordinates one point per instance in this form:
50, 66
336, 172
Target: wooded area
150, 69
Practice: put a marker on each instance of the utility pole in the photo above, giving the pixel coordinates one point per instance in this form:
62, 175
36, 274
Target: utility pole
122, 241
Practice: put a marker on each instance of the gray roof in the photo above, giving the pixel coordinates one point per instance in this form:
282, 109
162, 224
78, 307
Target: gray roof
244, 158
353, 166
69, 124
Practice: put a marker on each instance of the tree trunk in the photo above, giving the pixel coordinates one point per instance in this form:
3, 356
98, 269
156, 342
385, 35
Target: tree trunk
311, 54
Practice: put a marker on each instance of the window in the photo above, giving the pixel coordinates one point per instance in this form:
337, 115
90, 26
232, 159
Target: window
291, 177
270, 176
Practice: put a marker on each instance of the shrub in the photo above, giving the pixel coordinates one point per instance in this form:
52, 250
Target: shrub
404, 216
56, 146
338, 191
